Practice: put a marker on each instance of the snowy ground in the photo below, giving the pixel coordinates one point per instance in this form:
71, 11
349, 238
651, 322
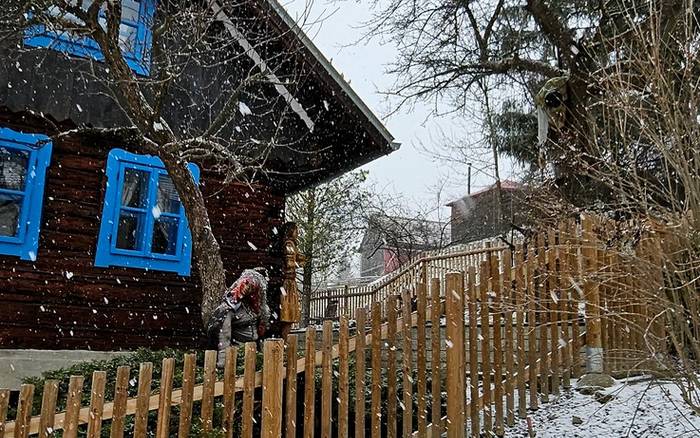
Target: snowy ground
640, 408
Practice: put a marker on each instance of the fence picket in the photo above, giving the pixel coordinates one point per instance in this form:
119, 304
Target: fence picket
249, 360
309, 381
435, 314
75, 393
273, 352
97, 399
166, 394
542, 296
454, 341
230, 390
121, 394
24, 411
520, 292
407, 351
360, 374
187, 395
391, 395
343, 378
507, 302
326, 380
290, 428
485, 347
421, 365
532, 326
495, 274
48, 409
376, 370
473, 296
207, 414
4, 403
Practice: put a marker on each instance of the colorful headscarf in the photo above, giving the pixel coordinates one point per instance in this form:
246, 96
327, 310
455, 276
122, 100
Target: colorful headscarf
250, 289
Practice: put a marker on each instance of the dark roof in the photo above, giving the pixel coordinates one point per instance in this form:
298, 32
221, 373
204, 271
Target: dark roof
507, 185
343, 133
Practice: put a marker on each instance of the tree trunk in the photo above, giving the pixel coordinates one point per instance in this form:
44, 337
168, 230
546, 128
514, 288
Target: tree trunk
205, 246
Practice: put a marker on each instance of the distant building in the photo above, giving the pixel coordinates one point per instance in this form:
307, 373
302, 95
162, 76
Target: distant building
391, 241
475, 216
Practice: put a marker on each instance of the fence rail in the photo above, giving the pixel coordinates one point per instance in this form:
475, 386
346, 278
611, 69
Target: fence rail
347, 299
467, 352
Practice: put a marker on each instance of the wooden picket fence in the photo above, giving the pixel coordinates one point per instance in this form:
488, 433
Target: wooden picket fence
435, 264
465, 353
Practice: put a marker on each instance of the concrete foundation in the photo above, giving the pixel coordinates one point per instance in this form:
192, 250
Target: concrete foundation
17, 364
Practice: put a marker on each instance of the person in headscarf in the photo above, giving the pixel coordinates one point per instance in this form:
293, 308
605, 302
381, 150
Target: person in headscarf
243, 316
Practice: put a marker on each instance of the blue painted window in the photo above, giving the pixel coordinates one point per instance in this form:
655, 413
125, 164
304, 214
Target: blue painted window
143, 221
23, 162
134, 35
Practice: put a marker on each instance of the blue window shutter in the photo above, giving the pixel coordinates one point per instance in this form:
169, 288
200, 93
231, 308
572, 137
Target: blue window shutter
108, 253
139, 59
37, 147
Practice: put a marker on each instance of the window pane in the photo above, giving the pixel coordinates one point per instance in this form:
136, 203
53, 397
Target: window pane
130, 11
127, 38
135, 189
13, 168
10, 208
165, 236
168, 201
130, 230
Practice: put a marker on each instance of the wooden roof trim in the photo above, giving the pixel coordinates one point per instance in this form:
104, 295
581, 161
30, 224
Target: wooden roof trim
257, 59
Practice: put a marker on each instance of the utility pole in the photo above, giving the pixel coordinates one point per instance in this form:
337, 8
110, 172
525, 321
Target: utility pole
469, 178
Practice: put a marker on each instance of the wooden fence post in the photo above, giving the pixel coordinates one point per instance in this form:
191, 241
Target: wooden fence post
309, 381
208, 390
376, 370
326, 379
144, 393
249, 360
435, 314
391, 302
230, 388
421, 364
360, 373
594, 341
473, 293
166, 392
343, 378
48, 409
273, 352
75, 393
485, 346
290, 428
454, 340
121, 394
188, 380
97, 399
24, 411
407, 353
4, 402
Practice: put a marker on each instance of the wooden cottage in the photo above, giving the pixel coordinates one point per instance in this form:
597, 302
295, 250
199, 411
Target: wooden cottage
83, 265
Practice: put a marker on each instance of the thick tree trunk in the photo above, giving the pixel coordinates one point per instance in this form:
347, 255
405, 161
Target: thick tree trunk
205, 246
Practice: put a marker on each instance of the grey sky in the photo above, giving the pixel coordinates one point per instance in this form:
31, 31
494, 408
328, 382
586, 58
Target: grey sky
410, 171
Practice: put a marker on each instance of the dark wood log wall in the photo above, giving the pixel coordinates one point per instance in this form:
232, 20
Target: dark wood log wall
61, 301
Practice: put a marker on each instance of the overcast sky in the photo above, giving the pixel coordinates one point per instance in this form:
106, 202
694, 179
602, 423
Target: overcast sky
410, 171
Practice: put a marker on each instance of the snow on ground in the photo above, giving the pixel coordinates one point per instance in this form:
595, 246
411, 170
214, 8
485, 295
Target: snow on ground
641, 407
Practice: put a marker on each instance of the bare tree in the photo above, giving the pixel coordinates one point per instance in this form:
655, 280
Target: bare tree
204, 59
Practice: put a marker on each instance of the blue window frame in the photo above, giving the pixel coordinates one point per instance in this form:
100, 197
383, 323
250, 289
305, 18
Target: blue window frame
143, 221
135, 35
24, 159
